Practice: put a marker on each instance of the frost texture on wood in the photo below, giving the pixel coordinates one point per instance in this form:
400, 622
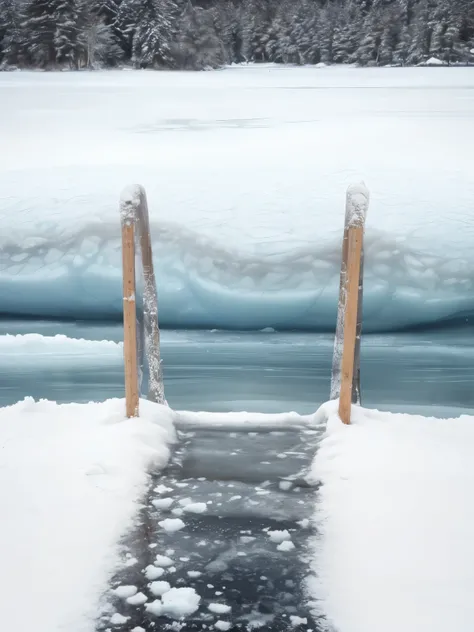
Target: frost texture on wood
357, 203
134, 209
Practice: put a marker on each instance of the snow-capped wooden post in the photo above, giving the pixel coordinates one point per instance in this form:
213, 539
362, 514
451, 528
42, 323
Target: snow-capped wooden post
345, 382
129, 314
136, 230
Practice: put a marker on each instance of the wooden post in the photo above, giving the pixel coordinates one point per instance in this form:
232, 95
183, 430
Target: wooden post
354, 252
136, 231
357, 200
129, 320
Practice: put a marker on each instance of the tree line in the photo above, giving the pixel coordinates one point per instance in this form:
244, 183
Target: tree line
201, 34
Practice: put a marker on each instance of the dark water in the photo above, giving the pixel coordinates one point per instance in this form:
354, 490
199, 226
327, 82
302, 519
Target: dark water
431, 372
252, 483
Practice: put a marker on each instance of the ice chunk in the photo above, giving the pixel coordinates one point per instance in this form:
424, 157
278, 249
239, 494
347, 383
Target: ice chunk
159, 588
295, 621
124, 592
287, 545
155, 607
153, 572
162, 503
163, 561
137, 600
279, 536
118, 619
178, 603
219, 608
194, 574
162, 489
197, 508
172, 524
222, 625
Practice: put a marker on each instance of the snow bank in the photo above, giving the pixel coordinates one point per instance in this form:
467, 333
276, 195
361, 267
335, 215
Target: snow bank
396, 522
70, 479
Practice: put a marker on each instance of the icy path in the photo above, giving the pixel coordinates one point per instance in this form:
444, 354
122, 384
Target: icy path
224, 534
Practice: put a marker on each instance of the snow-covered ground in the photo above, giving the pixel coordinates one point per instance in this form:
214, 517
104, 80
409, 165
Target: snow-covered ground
246, 171
394, 513
396, 516
71, 480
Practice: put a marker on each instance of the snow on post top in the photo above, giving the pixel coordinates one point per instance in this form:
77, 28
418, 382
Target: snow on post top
357, 203
129, 202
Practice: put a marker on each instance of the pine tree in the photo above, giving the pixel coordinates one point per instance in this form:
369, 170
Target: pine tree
148, 25
69, 18
11, 33
39, 30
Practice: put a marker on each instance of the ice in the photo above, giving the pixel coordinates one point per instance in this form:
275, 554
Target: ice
222, 625
287, 545
395, 503
137, 600
124, 592
172, 524
194, 574
163, 560
178, 603
162, 489
296, 621
118, 619
197, 508
162, 503
159, 588
260, 248
219, 608
279, 536
153, 572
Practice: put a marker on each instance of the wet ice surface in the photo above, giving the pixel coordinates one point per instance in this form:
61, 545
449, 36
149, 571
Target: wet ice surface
429, 372
244, 555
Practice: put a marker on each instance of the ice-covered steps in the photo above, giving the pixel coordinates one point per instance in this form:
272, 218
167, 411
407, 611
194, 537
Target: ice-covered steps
229, 520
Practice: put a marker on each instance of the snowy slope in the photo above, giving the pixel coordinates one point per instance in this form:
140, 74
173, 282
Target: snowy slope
71, 478
246, 171
396, 517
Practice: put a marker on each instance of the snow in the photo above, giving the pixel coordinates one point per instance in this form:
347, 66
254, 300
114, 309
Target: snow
222, 625
295, 621
219, 608
395, 520
434, 61
71, 479
253, 238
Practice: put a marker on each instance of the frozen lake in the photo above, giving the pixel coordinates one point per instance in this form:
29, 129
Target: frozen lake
246, 171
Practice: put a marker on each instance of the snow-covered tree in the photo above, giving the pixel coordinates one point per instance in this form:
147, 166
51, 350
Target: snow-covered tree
149, 27
11, 33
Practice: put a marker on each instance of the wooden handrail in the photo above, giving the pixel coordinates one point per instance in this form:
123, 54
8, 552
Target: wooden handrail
136, 232
345, 379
